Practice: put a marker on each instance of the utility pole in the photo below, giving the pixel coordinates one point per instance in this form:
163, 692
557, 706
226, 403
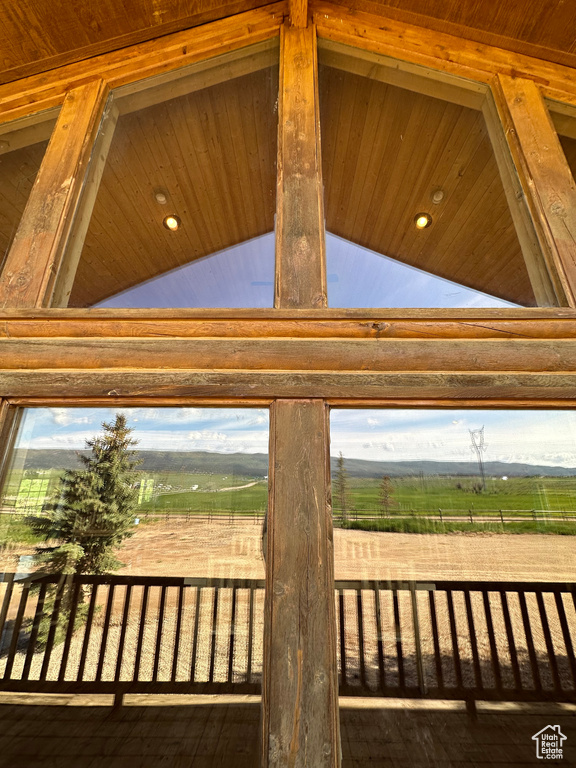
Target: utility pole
477, 438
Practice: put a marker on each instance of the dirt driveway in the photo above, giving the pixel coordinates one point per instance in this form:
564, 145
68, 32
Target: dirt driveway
223, 549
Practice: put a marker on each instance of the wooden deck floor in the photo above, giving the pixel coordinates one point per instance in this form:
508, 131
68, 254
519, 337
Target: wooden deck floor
210, 731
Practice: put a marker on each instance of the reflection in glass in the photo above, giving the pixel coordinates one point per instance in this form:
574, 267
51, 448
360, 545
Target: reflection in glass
241, 276
172, 500
358, 277
455, 550
396, 147
22, 147
200, 147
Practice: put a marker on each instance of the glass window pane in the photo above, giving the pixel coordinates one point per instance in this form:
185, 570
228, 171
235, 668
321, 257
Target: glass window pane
22, 147
141, 530
185, 205
410, 174
455, 554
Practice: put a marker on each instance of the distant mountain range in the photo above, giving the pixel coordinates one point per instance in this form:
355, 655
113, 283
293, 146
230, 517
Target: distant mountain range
256, 464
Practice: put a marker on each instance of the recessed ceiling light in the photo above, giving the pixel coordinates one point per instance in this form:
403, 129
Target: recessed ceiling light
422, 220
171, 222
161, 198
437, 196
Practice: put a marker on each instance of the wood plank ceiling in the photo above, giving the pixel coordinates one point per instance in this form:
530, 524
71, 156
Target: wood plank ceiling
212, 152
386, 151
37, 35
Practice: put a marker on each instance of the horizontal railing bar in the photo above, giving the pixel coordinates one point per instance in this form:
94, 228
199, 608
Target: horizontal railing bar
366, 622
227, 583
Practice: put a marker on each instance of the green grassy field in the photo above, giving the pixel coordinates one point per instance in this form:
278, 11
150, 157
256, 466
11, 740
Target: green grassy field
169, 492
456, 496
426, 526
180, 493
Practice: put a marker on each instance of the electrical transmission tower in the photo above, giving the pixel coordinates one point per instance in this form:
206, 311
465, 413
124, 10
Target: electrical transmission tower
477, 438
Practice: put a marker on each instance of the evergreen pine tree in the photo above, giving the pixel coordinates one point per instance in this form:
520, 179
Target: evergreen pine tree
341, 490
93, 511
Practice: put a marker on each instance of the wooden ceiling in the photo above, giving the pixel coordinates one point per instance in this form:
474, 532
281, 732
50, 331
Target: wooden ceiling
213, 154
37, 35
385, 151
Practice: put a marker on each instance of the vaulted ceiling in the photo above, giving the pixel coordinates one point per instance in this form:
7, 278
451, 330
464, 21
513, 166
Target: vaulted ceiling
37, 35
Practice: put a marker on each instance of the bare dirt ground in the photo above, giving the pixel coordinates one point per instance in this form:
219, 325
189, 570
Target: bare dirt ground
224, 549
219, 548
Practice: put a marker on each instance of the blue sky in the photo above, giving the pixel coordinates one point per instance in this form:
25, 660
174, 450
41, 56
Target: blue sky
228, 430
535, 437
243, 276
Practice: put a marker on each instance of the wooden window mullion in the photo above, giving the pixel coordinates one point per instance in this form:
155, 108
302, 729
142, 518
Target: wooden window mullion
29, 276
545, 176
300, 240
300, 685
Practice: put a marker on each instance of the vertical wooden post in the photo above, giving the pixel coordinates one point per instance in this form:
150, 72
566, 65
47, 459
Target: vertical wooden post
545, 177
10, 418
29, 275
547, 287
300, 687
300, 242
85, 206
298, 13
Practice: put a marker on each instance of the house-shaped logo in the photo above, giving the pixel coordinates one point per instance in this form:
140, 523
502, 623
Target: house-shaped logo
549, 743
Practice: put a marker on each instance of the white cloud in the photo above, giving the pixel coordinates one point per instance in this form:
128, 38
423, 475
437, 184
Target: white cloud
64, 417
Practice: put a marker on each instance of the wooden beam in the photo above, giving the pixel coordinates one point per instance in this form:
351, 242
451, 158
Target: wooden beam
29, 274
353, 325
149, 59
195, 77
300, 682
156, 401
546, 284
10, 418
27, 131
298, 13
84, 207
300, 241
437, 50
402, 74
330, 355
544, 173
362, 387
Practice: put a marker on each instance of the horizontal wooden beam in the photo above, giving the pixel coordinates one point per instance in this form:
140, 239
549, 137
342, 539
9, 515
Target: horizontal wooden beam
285, 354
113, 385
402, 74
144, 60
437, 50
328, 323
147, 401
